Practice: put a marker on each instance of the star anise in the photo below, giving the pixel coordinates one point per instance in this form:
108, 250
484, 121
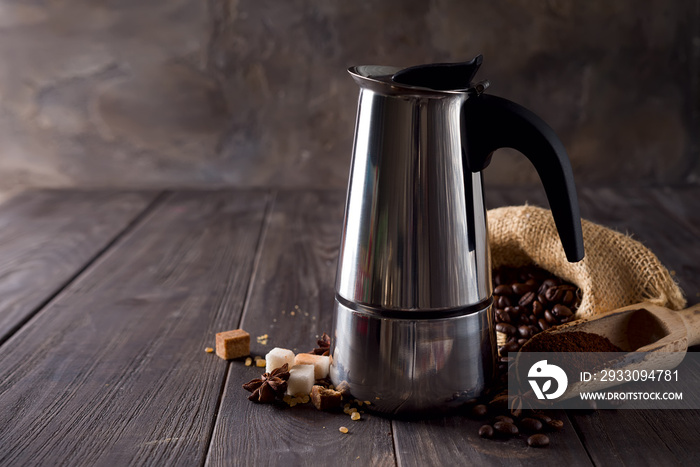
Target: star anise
324, 345
269, 386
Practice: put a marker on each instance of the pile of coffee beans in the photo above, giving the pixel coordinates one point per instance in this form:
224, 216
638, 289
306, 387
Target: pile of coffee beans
529, 300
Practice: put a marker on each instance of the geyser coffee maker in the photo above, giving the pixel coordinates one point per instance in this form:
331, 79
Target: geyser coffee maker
413, 326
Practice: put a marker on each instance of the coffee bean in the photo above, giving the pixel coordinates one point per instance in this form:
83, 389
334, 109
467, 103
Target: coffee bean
506, 328
498, 278
486, 431
525, 331
537, 308
538, 441
530, 425
542, 417
471, 402
561, 311
502, 289
555, 425
549, 317
568, 298
503, 302
554, 294
479, 411
506, 428
509, 347
527, 299
522, 308
503, 418
521, 289
502, 316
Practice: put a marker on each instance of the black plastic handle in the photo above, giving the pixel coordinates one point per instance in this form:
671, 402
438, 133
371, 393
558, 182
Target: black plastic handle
491, 122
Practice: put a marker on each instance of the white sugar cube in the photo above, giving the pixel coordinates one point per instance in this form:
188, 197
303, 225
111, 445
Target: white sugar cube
321, 363
277, 357
301, 380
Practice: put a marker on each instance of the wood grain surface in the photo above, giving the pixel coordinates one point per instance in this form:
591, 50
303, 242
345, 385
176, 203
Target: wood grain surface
455, 440
113, 372
47, 238
124, 293
291, 301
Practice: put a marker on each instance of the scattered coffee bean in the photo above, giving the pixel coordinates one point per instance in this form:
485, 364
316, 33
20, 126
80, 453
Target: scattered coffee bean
503, 418
530, 425
471, 402
506, 428
479, 411
555, 425
486, 431
538, 441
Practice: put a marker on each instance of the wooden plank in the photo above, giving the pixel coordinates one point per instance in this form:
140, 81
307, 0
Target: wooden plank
644, 437
682, 202
113, 371
296, 269
47, 238
454, 440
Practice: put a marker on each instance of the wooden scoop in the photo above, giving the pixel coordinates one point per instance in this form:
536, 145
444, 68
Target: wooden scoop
666, 334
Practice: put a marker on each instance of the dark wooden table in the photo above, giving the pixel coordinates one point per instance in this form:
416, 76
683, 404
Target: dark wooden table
108, 299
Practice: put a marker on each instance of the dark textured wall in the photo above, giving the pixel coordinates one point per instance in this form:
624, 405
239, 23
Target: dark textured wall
225, 92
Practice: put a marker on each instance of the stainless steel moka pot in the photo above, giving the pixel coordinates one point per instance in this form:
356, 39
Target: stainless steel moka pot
413, 324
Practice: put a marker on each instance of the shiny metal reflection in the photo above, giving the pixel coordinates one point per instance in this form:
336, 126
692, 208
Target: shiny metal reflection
415, 225
412, 366
412, 314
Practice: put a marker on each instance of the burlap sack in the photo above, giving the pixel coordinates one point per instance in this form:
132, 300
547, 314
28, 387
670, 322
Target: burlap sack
617, 271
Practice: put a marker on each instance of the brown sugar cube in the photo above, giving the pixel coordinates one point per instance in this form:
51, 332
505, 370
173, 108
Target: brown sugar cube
232, 344
324, 399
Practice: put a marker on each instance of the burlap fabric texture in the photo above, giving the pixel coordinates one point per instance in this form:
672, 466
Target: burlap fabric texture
616, 271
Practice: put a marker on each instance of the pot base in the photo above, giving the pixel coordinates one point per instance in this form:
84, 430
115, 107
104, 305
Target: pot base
412, 365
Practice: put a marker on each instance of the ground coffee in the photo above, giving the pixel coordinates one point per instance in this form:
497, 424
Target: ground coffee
571, 347
575, 341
